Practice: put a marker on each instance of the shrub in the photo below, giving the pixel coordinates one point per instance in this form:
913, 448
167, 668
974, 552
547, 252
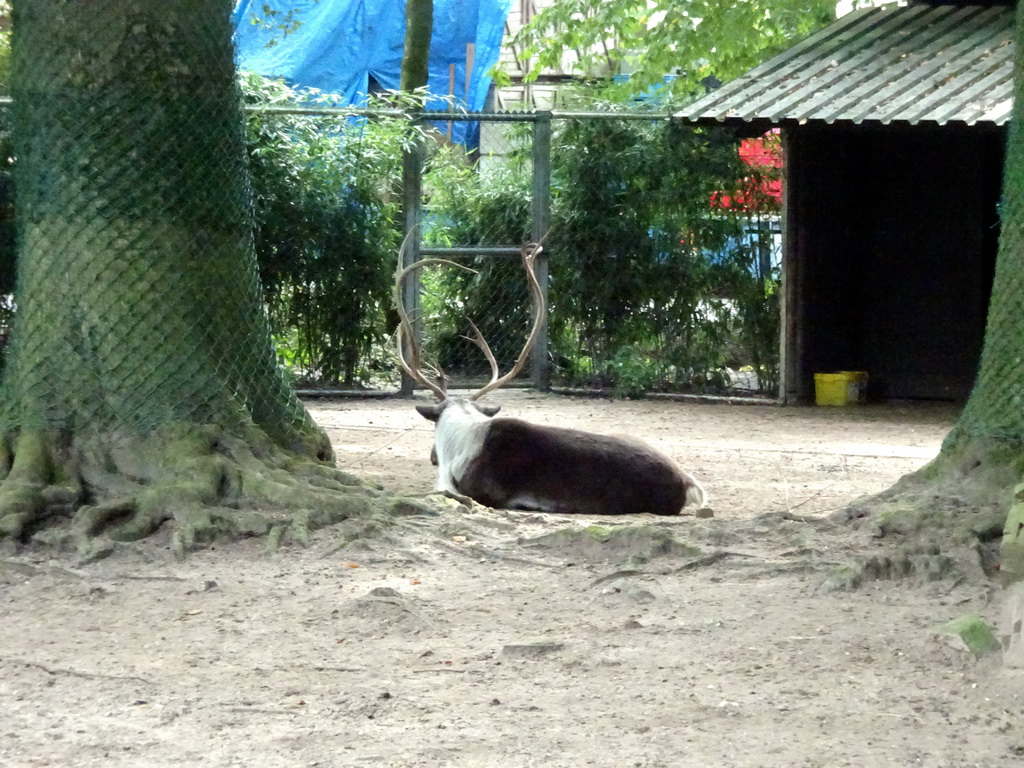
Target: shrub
325, 231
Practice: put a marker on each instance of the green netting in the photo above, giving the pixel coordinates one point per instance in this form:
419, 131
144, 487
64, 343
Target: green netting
137, 293
996, 405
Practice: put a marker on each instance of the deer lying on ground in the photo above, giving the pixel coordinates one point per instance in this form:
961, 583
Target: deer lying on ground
512, 464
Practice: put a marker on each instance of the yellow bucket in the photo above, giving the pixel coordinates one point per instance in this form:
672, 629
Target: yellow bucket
842, 388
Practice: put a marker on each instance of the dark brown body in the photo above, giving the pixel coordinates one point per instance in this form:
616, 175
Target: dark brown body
526, 466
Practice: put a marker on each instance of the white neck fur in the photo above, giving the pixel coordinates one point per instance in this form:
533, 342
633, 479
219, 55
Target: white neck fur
458, 438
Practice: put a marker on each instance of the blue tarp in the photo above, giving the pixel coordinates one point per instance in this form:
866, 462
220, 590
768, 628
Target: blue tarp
339, 44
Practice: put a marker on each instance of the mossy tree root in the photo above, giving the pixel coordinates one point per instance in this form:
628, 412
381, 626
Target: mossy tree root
956, 505
205, 483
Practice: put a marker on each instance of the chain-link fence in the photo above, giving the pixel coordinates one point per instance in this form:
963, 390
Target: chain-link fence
654, 283
7, 252
658, 279
477, 207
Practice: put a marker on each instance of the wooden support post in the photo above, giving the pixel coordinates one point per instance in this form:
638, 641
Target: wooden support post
790, 278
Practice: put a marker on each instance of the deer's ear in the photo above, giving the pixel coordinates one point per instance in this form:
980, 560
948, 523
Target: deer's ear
430, 412
489, 410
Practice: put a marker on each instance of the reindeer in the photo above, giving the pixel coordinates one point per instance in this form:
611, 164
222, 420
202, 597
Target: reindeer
512, 464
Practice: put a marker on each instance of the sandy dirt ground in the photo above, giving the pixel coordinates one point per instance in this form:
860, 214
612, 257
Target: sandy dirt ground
483, 638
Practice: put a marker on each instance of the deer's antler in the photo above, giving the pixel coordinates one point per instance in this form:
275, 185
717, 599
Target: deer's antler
529, 253
414, 366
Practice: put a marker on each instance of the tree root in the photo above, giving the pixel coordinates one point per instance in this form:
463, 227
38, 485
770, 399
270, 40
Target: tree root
947, 517
205, 483
795, 518
54, 672
24, 490
966, 487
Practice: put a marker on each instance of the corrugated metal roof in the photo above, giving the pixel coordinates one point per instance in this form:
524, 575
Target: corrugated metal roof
916, 64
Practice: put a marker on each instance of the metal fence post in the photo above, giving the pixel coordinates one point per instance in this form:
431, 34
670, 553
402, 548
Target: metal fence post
412, 181
541, 199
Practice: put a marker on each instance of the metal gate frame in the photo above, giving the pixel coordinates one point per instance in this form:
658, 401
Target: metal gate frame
412, 216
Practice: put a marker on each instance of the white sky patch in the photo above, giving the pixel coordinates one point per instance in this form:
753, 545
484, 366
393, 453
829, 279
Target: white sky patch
844, 7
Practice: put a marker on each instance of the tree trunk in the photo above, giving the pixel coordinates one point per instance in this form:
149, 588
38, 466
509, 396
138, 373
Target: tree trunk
995, 409
991, 428
964, 494
141, 384
419, 22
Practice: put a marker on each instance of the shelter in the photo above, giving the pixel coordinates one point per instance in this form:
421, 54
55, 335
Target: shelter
893, 122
